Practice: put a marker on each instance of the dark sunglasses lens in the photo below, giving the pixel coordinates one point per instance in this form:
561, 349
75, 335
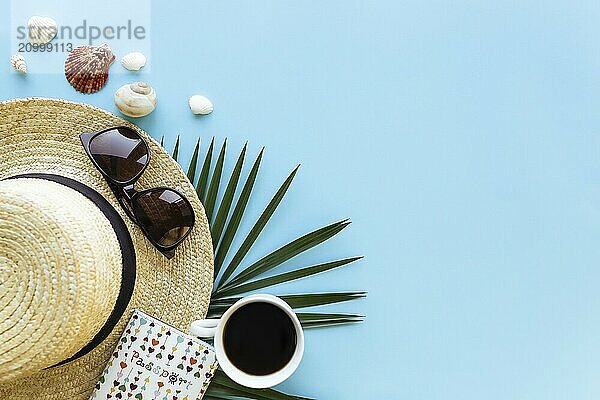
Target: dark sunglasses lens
165, 215
120, 153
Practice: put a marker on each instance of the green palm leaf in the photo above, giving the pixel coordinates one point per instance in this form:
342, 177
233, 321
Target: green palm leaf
258, 227
224, 232
191, 174
287, 252
176, 149
236, 216
203, 179
219, 223
282, 278
218, 306
215, 183
220, 380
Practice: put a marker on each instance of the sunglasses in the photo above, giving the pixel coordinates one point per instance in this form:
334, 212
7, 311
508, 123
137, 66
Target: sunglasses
165, 216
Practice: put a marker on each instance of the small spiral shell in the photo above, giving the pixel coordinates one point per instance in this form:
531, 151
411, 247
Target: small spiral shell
18, 63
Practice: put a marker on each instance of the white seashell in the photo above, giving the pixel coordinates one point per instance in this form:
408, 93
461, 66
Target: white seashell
136, 99
18, 63
201, 105
133, 61
41, 29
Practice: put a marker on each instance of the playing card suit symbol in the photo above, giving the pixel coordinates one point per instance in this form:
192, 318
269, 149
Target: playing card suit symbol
129, 394
193, 361
120, 347
122, 388
143, 321
123, 364
133, 386
109, 396
190, 343
115, 354
189, 369
138, 396
143, 347
135, 316
184, 358
133, 338
152, 324
145, 339
160, 384
180, 366
97, 386
116, 383
159, 334
200, 366
159, 356
136, 378
151, 350
112, 390
128, 331
162, 347
170, 356
205, 351
208, 375
155, 342
119, 395
197, 374
124, 339
102, 379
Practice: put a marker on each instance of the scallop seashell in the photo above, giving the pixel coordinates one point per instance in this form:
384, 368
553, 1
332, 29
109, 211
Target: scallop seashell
18, 63
41, 30
136, 99
86, 68
201, 105
133, 61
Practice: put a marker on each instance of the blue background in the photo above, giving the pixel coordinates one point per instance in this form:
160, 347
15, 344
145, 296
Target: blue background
460, 137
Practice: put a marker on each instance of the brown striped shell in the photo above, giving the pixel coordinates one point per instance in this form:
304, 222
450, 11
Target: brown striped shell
86, 68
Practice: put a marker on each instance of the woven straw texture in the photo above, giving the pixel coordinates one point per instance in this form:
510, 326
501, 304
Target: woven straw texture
42, 135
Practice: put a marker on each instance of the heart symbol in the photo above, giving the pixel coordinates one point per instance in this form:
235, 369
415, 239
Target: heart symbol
122, 388
145, 339
115, 354
193, 361
136, 378
160, 384
120, 347
197, 374
123, 365
138, 396
129, 394
143, 321
159, 356
115, 383
151, 350
170, 357
133, 386
119, 395
180, 366
189, 369
162, 347
133, 338
108, 396
155, 342
97, 386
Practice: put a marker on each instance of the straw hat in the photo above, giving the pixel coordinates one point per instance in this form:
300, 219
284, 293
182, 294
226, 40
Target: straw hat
73, 266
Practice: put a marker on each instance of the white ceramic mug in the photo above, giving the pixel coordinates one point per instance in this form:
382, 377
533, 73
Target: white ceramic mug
208, 328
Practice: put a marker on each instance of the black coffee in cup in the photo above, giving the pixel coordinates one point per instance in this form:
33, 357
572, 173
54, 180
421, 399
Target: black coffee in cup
259, 338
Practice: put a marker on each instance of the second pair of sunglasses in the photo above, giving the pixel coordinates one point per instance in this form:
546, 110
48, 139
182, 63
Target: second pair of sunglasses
165, 216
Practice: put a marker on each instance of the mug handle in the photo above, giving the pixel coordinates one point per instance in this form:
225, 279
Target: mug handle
204, 328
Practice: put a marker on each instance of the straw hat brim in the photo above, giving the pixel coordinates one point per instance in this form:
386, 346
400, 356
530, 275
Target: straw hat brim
42, 136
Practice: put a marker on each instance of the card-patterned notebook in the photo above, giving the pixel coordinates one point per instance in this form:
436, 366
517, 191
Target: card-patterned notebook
154, 361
